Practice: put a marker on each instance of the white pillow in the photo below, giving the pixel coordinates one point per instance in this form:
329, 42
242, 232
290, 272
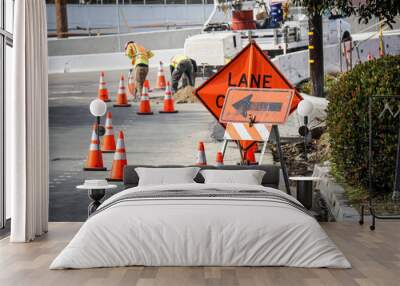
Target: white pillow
248, 177
166, 176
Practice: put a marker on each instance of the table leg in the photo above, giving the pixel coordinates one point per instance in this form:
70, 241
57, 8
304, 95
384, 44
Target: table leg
95, 196
304, 193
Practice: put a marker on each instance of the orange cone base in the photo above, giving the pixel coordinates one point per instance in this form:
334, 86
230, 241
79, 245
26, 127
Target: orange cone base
114, 180
122, 105
162, 111
108, 151
144, 113
95, 169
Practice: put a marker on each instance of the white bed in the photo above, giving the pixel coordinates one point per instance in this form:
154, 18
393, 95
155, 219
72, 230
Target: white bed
202, 231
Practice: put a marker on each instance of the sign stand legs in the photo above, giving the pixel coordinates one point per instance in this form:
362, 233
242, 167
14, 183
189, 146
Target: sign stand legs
274, 130
241, 153
281, 158
223, 149
225, 145
264, 148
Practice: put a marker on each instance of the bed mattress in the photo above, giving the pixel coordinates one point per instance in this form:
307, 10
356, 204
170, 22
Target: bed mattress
201, 225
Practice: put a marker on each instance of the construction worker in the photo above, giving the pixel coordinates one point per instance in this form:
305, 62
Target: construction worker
182, 67
140, 60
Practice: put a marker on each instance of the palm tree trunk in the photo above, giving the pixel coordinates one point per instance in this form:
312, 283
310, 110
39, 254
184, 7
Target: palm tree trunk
61, 18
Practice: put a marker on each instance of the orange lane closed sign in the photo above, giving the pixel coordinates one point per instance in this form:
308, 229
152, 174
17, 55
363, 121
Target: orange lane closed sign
262, 105
250, 68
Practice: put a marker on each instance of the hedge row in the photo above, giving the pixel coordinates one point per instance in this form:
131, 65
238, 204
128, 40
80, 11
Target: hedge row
348, 126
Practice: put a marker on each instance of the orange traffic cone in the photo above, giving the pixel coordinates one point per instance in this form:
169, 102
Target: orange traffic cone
220, 159
146, 84
168, 101
94, 160
144, 106
108, 139
117, 171
103, 91
122, 100
201, 155
250, 156
131, 85
161, 82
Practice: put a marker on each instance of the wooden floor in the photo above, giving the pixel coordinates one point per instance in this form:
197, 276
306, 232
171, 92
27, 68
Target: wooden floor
375, 257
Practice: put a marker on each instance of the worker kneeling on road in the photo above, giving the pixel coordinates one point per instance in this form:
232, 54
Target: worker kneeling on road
140, 60
182, 67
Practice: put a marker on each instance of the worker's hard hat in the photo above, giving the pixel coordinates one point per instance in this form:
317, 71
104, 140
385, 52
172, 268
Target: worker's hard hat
128, 43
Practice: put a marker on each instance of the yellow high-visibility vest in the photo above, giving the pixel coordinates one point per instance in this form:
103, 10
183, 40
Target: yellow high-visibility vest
177, 59
138, 54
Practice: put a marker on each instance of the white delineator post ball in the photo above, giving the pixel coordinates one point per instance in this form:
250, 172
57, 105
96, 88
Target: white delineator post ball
305, 108
98, 108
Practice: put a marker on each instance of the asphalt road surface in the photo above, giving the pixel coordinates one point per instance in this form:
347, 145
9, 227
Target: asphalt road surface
158, 139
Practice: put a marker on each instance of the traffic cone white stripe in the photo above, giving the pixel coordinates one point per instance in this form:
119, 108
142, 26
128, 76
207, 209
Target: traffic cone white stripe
120, 144
119, 160
102, 83
168, 93
201, 158
119, 156
121, 88
93, 147
94, 136
94, 161
161, 81
109, 131
109, 128
94, 143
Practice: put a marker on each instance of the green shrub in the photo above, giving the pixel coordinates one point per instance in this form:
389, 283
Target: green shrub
348, 126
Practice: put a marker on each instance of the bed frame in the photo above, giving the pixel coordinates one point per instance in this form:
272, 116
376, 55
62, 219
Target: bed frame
270, 179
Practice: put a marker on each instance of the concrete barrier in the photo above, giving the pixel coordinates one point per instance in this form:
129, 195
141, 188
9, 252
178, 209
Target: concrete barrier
294, 65
104, 62
334, 195
156, 40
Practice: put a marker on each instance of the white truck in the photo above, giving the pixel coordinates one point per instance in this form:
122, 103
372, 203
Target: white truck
219, 42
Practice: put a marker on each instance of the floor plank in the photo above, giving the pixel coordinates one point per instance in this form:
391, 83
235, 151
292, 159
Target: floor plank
375, 257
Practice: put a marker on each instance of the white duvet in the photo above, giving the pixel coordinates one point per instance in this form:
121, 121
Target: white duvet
206, 231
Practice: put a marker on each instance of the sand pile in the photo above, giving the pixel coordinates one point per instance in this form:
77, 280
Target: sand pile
185, 95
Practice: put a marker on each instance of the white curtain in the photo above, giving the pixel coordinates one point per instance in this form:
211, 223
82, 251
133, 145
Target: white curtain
27, 123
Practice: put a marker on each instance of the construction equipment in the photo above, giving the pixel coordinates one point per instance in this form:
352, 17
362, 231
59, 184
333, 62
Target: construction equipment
274, 33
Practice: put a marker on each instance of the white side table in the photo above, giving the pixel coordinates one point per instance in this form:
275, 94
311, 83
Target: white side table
304, 190
96, 191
